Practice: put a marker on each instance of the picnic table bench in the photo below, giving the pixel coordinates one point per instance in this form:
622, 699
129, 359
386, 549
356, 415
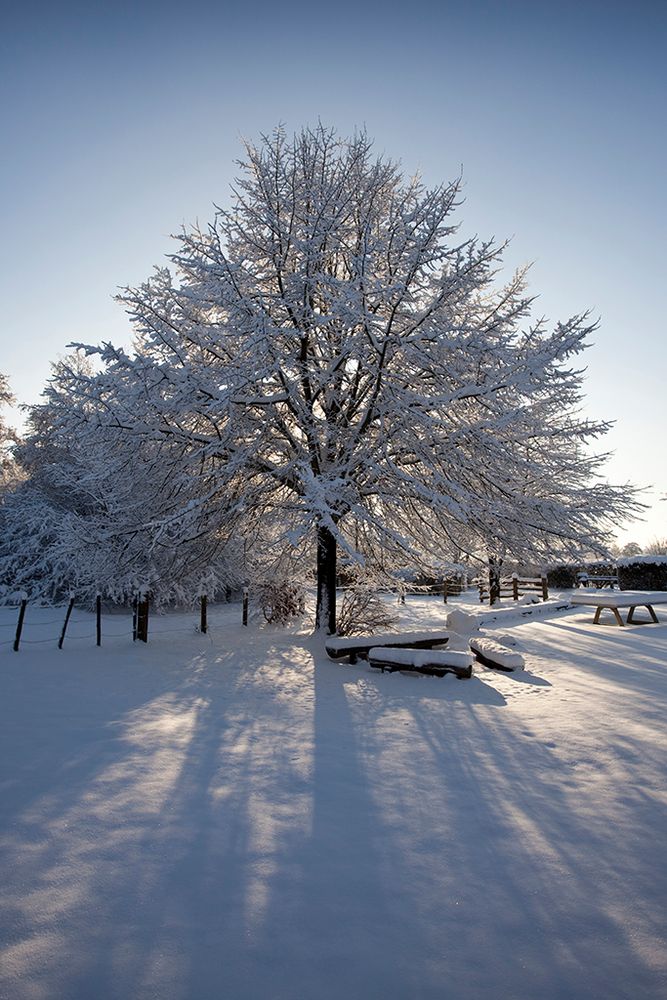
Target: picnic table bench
359, 645
614, 600
599, 582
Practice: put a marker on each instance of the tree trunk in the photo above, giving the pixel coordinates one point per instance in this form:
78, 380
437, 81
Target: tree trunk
495, 565
325, 613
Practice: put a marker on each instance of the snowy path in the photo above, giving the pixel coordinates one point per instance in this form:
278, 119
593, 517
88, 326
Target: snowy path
183, 822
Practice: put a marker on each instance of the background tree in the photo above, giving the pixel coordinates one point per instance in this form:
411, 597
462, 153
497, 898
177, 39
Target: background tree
98, 511
8, 470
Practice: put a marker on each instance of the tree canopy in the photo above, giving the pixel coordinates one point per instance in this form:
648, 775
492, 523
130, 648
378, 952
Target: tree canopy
327, 367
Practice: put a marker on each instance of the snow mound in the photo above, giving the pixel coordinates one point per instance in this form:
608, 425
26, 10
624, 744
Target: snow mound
462, 623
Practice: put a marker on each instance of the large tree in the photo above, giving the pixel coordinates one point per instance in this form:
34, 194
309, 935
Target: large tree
328, 357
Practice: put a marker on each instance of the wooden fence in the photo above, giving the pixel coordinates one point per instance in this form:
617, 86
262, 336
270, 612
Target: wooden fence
448, 588
516, 587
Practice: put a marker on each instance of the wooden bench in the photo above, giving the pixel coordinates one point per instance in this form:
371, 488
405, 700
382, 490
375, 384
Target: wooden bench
614, 600
423, 661
496, 656
599, 582
356, 646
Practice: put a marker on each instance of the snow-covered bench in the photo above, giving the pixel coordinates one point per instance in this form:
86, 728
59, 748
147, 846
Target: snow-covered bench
494, 654
614, 600
359, 645
423, 661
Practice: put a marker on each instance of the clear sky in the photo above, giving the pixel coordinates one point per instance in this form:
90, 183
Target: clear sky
121, 122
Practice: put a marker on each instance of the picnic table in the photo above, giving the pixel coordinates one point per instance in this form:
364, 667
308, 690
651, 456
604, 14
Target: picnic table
614, 600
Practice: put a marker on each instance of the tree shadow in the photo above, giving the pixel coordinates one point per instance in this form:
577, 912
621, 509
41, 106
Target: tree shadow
276, 824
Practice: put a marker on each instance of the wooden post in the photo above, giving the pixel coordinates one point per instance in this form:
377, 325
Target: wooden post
19, 624
135, 617
495, 566
245, 605
142, 618
545, 588
444, 591
202, 617
515, 587
98, 619
67, 614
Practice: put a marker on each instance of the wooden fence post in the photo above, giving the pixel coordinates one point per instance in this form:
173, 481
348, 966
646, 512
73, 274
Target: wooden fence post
135, 617
245, 605
142, 618
545, 588
98, 619
515, 587
203, 624
19, 624
67, 614
444, 591
495, 566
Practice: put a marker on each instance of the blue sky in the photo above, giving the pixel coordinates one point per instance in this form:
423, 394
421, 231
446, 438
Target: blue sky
119, 125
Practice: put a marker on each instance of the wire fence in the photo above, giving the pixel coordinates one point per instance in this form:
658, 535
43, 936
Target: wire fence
72, 628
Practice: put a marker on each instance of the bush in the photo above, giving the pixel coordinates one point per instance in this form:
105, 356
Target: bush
280, 601
362, 612
643, 573
563, 576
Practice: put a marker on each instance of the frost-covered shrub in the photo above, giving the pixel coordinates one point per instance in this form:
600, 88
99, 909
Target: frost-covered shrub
362, 611
643, 572
280, 601
563, 576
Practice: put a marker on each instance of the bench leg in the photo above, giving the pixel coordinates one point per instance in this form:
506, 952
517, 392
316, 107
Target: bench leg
604, 607
649, 608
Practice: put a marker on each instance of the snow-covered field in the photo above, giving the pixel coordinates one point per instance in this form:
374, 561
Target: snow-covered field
236, 816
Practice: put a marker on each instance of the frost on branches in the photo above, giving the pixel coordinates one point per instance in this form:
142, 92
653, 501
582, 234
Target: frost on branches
8, 469
326, 368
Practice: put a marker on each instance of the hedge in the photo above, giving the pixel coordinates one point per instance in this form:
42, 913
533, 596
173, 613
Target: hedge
563, 576
642, 573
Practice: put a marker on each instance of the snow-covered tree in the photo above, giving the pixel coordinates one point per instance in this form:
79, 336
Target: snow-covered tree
327, 362
100, 511
7, 439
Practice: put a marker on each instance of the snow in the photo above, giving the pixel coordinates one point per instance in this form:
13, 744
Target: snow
385, 639
421, 657
621, 599
235, 815
657, 560
461, 622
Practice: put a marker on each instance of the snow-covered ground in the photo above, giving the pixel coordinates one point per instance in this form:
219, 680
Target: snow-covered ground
235, 816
